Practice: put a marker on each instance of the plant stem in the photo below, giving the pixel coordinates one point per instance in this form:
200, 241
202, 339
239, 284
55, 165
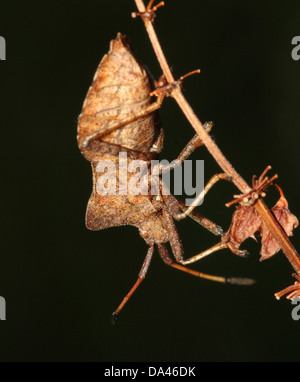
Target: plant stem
214, 150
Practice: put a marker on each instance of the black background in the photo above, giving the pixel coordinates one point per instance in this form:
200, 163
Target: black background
60, 281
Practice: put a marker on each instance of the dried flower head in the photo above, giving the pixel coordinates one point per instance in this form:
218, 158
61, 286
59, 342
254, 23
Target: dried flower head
288, 221
291, 291
246, 222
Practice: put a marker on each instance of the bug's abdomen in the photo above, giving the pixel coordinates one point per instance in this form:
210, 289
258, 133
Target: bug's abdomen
120, 90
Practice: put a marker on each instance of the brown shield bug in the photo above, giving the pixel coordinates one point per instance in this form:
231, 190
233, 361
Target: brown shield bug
119, 117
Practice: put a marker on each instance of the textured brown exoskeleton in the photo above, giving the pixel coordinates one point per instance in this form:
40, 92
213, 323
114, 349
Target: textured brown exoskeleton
119, 115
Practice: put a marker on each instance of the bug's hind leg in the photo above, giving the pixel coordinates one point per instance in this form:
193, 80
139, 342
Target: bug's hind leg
142, 275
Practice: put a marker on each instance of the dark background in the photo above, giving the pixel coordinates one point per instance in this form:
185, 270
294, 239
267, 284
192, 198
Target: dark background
60, 281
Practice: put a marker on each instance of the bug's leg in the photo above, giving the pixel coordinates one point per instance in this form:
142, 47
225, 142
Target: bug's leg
200, 219
209, 251
176, 206
186, 152
194, 143
188, 210
174, 239
196, 201
231, 280
214, 248
142, 275
106, 130
176, 243
178, 253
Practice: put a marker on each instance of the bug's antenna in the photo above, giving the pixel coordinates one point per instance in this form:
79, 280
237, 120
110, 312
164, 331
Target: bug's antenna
141, 277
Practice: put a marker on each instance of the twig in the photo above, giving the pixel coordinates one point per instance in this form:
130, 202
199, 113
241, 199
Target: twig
214, 150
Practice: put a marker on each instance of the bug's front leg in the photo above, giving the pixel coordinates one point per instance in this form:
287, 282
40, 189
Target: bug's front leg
186, 152
194, 143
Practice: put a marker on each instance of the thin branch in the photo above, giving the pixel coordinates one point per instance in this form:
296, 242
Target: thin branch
155, 43
211, 146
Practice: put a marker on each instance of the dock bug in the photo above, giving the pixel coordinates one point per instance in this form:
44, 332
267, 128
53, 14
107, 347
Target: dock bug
120, 116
